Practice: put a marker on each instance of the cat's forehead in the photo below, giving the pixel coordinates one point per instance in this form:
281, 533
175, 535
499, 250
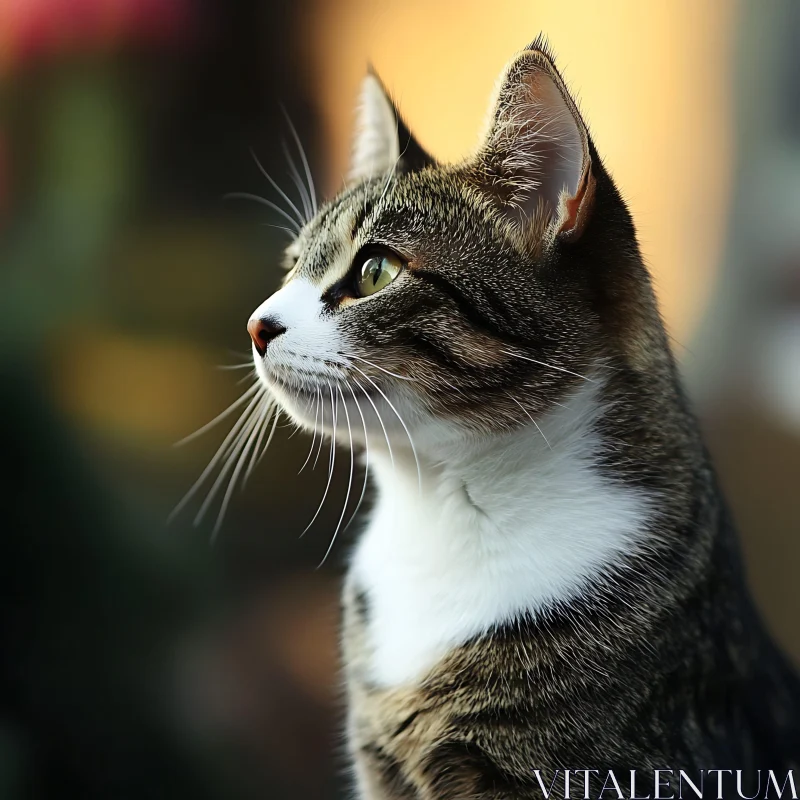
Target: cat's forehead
325, 245
400, 211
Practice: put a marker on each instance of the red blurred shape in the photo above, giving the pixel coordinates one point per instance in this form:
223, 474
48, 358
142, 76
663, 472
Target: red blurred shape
34, 29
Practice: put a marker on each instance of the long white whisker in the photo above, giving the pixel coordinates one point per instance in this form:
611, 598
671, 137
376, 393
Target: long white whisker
274, 427
222, 451
264, 202
366, 458
321, 429
382, 369
200, 431
246, 423
527, 414
292, 234
393, 170
297, 180
349, 481
234, 445
331, 459
549, 366
385, 188
300, 219
234, 476
314, 437
304, 160
267, 409
400, 419
380, 419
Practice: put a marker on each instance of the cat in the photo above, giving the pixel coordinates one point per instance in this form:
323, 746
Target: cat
549, 578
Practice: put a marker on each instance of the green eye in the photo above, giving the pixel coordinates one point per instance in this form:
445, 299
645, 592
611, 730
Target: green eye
377, 272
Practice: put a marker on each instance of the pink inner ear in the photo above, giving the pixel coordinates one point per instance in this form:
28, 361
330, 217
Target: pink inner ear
551, 141
533, 157
576, 207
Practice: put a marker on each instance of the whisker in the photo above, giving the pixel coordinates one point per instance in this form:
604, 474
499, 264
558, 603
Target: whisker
525, 411
393, 171
295, 430
382, 369
314, 437
549, 366
222, 452
234, 453
331, 460
321, 431
380, 419
269, 438
400, 419
292, 234
267, 410
385, 188
300, 219
200, 431
264, 202
366, 458
297, 180
349, 482
234, 476
304, 160
236, 366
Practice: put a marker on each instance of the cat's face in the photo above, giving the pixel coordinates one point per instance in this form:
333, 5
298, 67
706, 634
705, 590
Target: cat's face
448, 301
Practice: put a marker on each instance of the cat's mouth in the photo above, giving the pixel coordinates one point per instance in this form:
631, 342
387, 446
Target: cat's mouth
302, 392
351, 405
304, 383
298, 383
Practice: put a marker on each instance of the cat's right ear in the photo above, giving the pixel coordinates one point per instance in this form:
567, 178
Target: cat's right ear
382, 142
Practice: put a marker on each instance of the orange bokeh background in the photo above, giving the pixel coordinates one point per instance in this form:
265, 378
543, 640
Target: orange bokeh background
651, 80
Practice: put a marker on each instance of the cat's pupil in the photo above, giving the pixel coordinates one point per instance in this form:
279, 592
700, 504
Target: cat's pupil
373, 269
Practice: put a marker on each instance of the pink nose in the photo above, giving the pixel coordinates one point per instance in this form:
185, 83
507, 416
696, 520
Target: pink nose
263, 331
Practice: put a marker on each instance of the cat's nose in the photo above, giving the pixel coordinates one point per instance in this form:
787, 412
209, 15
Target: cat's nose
262, 331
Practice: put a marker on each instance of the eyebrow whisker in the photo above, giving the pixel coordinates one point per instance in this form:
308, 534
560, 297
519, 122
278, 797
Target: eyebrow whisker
301, 220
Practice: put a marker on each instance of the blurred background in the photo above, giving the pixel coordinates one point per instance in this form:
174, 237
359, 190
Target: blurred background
141, 659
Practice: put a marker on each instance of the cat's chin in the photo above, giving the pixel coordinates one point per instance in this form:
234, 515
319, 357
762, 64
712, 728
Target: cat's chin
299, 404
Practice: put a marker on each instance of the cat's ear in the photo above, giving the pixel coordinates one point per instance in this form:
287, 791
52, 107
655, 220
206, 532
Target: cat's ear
382, 142
535, 157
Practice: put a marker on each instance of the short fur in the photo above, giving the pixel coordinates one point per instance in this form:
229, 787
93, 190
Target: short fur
549, 578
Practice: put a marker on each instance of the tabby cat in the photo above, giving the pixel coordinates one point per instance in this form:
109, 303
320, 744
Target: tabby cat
549, 578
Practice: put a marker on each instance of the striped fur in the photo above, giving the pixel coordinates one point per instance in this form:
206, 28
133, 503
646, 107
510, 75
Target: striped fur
549, 577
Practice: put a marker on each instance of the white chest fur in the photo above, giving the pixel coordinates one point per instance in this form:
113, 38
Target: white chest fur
500, 529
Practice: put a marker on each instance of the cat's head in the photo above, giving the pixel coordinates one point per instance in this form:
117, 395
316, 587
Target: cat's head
457, 300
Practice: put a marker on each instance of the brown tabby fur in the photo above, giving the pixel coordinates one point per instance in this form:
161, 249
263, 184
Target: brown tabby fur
664, 666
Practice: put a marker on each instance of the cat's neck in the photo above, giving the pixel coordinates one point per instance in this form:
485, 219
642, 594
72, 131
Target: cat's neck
486, 531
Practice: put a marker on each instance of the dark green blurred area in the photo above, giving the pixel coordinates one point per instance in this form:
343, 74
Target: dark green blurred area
136, 658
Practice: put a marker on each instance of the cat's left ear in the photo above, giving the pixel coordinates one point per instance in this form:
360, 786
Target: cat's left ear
382, 141
535, 158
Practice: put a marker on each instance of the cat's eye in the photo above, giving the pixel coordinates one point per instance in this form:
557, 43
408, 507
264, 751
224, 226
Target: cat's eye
377, 271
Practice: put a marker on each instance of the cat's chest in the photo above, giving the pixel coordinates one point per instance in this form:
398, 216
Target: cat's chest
438, 567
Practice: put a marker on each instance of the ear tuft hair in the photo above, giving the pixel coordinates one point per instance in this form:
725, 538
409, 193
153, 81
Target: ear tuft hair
541, 45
